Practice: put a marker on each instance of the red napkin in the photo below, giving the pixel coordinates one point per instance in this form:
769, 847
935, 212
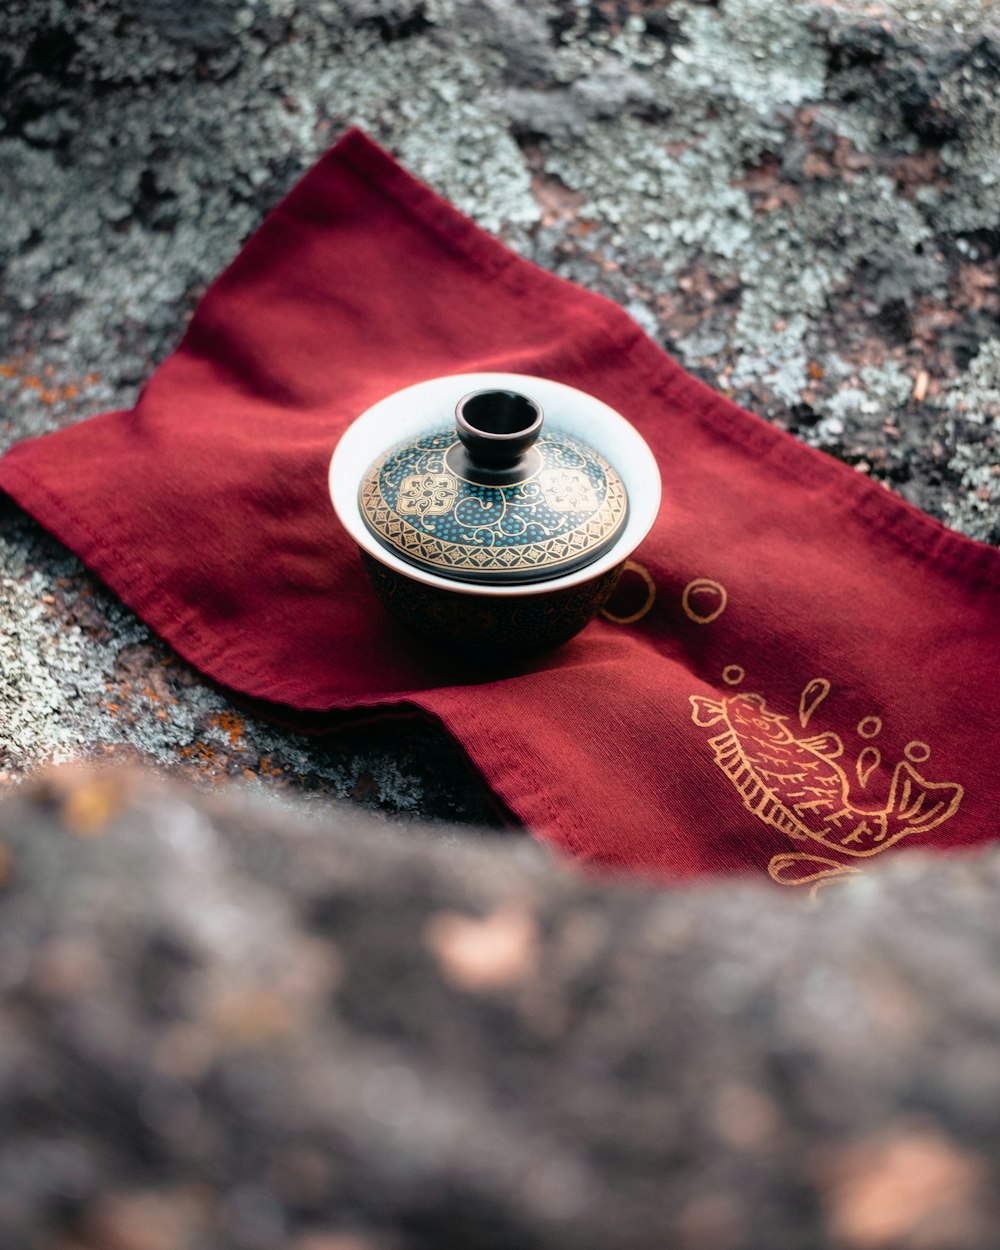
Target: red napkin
798, 672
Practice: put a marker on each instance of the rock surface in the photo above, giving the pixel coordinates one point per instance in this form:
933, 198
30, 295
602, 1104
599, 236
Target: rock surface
799, 200
223, 1027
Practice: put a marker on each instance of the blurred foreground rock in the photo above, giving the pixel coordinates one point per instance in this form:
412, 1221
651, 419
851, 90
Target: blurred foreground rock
226, 1026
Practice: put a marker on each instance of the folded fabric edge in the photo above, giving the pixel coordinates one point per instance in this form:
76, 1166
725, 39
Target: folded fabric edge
152, 602
325, 725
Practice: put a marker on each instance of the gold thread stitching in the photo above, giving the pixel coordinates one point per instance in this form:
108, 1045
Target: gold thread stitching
699, 586
822, 811
810, 699
633, 566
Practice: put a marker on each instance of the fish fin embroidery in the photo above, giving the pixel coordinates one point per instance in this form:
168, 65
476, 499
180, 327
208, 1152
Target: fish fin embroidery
919, 804
828, 745
705, 712
797, 868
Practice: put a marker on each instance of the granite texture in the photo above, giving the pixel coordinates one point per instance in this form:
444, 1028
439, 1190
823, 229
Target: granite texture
223, 1027
799, 200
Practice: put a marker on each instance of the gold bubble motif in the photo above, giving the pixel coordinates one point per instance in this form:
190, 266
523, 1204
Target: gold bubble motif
812, 696
633, 566
704, 600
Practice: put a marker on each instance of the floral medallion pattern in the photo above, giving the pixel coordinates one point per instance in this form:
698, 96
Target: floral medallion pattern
427, 494
568, 490
562, 516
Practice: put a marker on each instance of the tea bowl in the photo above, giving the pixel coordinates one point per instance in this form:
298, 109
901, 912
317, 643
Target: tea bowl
480, 617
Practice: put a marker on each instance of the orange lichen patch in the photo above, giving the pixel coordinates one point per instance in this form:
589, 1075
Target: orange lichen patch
920, 169
49, 391
976, 288
6, 864
167, 1219
230, 724
766, 187
743, 1117
914, 1187
185, 1051
334, 1241
711, 1219
253, 1016
49, 394
815, 370
199, 752
88, 808
315, 969
557, 201
488, 954
67, 969
266, 767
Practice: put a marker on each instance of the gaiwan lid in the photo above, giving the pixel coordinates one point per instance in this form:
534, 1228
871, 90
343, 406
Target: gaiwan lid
494, 498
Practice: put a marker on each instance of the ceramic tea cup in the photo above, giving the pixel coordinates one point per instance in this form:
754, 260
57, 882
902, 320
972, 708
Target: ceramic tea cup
488, 558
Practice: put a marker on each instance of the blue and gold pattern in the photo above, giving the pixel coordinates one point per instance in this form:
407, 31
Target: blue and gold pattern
562, 516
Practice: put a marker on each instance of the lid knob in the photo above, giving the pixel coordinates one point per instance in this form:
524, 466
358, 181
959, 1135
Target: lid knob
496, 429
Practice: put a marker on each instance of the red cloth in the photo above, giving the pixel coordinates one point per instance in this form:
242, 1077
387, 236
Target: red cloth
678, 743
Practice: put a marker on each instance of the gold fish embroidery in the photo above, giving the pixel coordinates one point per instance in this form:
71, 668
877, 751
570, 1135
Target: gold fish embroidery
796, 785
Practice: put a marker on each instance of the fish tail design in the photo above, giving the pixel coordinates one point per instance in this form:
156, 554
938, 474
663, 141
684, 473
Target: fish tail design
916, 805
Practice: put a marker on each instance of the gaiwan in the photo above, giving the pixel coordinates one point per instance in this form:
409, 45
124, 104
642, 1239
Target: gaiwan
494, 511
